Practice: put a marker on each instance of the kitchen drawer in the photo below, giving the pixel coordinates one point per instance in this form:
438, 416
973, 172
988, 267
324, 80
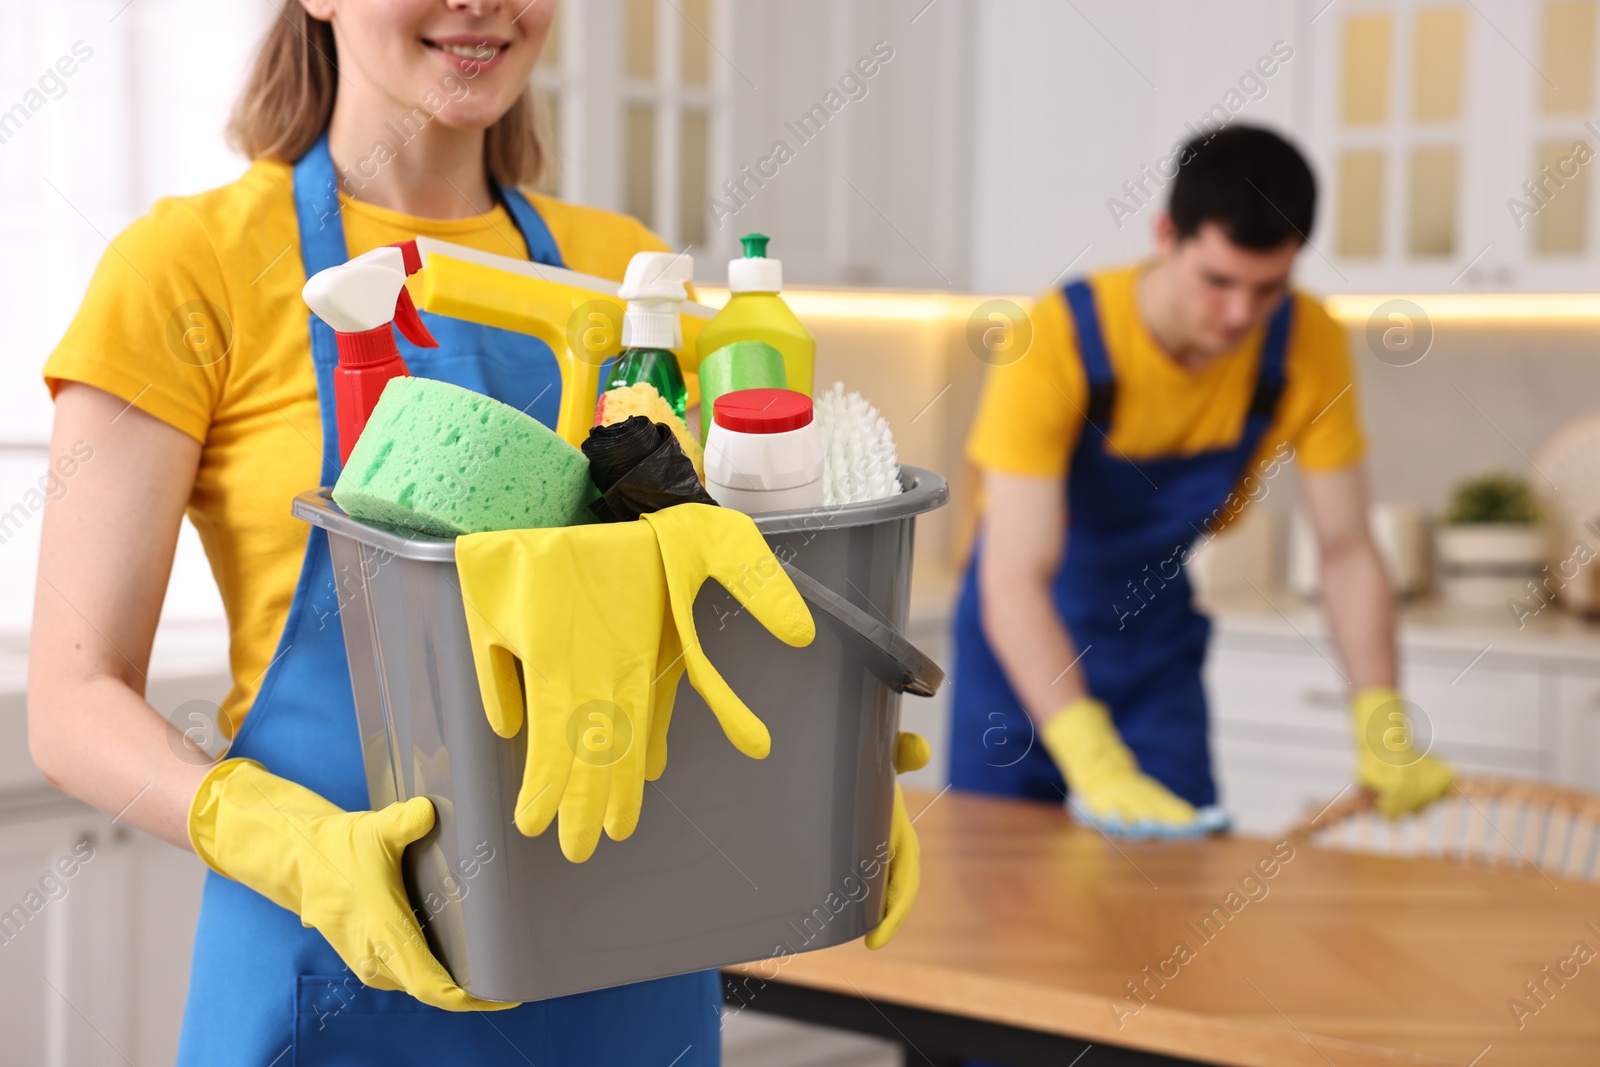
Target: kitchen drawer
1577, 753
1276, 690
1267, 787
1496, 707
1488, 706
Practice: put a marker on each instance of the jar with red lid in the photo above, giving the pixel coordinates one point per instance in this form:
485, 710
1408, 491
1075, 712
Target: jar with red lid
764, 451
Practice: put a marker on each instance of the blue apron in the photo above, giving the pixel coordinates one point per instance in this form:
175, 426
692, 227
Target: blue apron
1121, 591
266, 990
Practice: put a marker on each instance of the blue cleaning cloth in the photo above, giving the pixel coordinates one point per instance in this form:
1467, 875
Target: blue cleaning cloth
1208, 820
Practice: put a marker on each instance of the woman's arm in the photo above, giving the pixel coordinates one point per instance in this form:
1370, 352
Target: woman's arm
106, 552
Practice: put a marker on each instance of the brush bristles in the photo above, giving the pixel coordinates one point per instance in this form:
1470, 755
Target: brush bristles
859, 461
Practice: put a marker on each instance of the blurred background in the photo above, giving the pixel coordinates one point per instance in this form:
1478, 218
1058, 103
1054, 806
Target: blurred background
998, 149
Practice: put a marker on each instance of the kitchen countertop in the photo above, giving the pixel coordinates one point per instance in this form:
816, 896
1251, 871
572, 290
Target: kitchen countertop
1553, 632
1275, 612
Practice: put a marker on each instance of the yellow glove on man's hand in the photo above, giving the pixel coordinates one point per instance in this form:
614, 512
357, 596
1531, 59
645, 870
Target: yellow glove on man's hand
1404, 779
1104, 776
338, 870
904, 876
582, 610
701, 541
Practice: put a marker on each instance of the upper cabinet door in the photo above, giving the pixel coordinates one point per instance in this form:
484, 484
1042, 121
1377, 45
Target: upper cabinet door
1452, 141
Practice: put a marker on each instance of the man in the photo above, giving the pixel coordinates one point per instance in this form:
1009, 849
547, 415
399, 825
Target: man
1154, 402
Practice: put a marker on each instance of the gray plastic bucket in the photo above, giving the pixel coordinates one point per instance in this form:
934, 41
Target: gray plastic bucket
734, 859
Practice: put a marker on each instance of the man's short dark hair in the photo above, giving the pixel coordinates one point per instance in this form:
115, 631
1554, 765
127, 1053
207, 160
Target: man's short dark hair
1251, 182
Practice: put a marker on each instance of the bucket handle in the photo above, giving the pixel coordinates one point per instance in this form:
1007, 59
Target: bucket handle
902, 666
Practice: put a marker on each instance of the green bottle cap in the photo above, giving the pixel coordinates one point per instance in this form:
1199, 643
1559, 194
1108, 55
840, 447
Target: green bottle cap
755, 245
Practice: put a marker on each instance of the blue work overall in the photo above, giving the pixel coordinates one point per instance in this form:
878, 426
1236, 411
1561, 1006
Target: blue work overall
1121, 591
266, 991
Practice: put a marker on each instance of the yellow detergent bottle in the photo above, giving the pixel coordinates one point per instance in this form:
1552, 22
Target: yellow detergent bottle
755, 312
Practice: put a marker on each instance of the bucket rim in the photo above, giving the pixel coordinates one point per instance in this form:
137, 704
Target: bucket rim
922, 491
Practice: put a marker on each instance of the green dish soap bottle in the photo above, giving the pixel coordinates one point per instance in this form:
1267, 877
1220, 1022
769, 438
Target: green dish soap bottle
655, 287
755, 312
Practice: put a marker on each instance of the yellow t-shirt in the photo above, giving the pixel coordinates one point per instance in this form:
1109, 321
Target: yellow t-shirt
194, 315
1030, 413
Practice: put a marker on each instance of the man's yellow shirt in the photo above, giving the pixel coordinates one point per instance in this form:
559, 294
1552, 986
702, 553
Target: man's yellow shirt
1031, 412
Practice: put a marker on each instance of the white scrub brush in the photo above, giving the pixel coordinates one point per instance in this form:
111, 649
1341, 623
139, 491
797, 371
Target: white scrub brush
857, 447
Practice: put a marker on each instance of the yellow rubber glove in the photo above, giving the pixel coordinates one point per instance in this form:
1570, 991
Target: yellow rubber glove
701, 541
1103, 774
1387, 762
581, 609
338, 870
904, 877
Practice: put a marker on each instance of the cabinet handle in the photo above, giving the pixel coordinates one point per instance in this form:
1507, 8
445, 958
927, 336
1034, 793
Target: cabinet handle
1326, 698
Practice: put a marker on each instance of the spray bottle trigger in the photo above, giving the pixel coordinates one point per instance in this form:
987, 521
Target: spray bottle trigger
410, 322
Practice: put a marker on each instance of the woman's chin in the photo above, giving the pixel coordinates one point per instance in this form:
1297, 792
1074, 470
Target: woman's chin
470, 114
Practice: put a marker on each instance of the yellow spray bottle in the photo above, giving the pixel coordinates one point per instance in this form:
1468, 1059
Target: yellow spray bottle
755, 312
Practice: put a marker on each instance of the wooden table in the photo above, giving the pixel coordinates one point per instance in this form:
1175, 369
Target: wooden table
1029, 931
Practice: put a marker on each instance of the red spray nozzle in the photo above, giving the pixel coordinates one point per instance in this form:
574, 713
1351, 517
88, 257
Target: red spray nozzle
406, 316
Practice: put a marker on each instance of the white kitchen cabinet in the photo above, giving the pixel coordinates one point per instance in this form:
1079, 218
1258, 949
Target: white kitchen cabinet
1577, 712
1262, 779
1488, 698
96, 925
1435, 127
97, 919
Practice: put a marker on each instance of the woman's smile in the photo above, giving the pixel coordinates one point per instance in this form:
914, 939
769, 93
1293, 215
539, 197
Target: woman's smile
467, 53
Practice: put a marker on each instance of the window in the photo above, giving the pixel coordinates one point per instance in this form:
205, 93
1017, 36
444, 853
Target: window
644, 82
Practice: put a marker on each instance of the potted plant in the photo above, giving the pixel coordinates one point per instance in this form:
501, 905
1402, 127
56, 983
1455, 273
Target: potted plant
1489, 543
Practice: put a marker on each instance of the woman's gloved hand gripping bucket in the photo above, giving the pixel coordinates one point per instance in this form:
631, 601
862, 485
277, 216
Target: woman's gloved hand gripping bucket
338, 870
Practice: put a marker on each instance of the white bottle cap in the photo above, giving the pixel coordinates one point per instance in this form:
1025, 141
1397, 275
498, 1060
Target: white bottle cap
645, 327
655, 288
752, 275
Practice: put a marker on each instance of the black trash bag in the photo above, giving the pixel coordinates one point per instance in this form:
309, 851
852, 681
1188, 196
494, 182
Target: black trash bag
639, 467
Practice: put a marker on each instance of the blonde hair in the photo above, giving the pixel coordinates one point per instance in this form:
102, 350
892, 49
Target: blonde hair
288, 100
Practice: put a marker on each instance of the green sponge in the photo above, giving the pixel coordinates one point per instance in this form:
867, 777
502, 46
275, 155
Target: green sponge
447, 461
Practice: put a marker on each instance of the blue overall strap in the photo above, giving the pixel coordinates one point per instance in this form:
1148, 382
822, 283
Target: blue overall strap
535, 234
322, 245
316, 203
1270, 377
1092, 352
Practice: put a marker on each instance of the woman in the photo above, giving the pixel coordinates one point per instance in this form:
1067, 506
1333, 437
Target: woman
195, 374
